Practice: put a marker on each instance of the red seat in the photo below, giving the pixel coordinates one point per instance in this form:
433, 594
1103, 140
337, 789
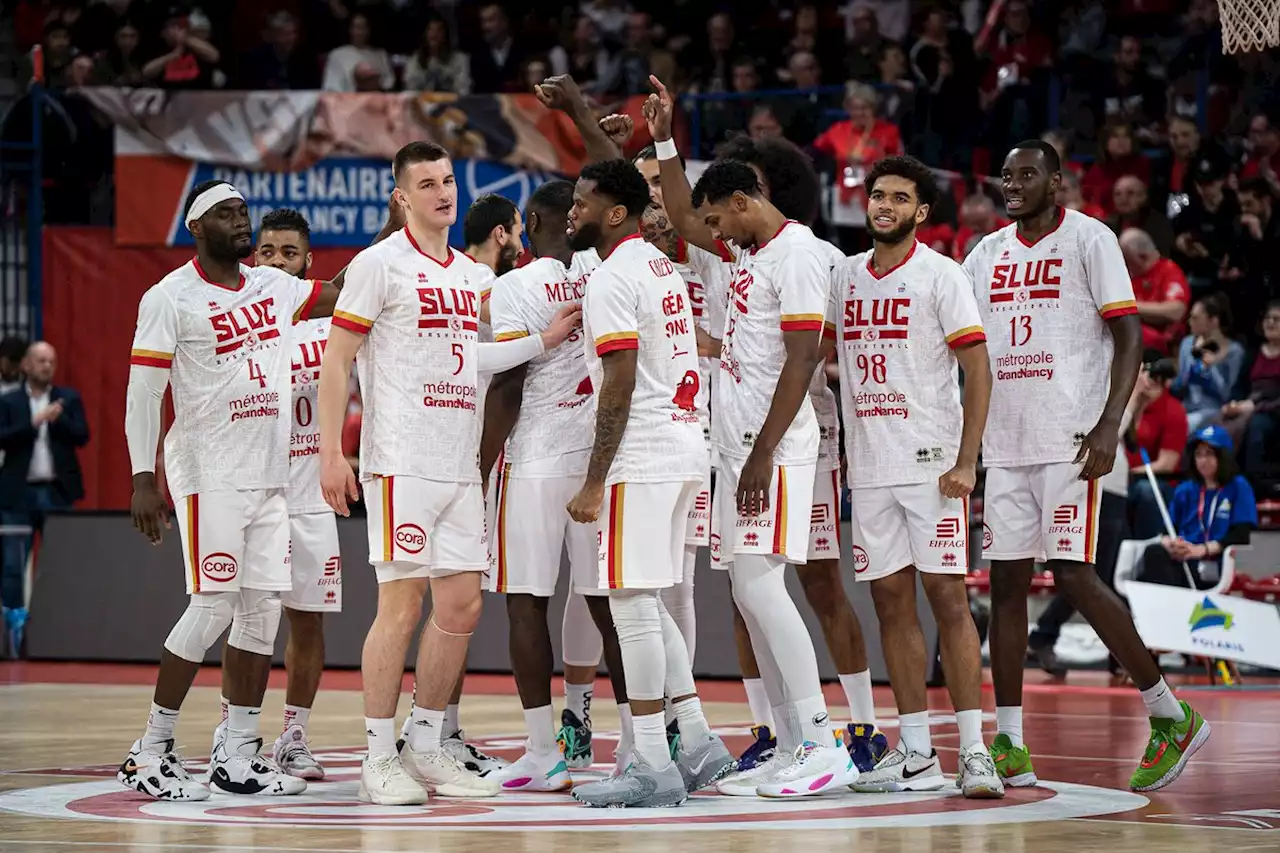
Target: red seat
1265, 589
1042, 583
978, 580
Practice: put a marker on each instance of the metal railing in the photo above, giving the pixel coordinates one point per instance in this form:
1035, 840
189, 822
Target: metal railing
22, 214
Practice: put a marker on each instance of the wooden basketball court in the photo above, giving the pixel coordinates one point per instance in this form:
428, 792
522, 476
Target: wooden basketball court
64, 729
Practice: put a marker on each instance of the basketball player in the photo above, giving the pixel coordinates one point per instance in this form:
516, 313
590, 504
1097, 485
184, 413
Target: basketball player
414, 309
1064, 334
542, 412
904, 318
219, 331
788, 181
646, 467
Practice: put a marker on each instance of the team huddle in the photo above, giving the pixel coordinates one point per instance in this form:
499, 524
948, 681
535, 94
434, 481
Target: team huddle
652, 383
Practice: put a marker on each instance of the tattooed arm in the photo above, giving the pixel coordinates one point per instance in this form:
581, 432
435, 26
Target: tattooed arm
613, 407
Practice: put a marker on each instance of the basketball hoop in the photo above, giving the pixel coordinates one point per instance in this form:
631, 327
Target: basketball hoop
1249, 25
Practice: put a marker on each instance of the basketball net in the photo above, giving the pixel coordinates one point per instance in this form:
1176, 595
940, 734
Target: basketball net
1249, 24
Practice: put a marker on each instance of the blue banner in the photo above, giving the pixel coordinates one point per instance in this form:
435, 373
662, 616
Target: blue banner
345, 200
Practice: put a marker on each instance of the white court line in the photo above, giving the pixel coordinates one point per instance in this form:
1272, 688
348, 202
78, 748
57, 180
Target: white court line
1182, 827
179, 845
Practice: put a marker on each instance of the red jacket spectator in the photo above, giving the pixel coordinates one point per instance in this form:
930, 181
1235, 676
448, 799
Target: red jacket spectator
1018, 51
1160, 427
858, 142
1264, 140
1117, 157
1160, 288
937, 236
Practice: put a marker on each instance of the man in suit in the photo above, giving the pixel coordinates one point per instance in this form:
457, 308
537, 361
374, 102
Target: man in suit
41, 426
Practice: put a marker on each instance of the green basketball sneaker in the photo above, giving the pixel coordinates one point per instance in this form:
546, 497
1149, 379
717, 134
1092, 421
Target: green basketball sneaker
1013, 763
1171, 746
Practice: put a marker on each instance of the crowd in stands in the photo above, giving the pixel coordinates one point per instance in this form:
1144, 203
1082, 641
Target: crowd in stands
1173, 144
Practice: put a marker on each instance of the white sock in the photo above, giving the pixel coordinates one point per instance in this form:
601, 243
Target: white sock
651, 740
427, 730
626, 727
451, 724
857, 689
296, 715
160, 726
242, 722
540, 723
913, 729
1009, 722
970, 725
758, 701
788, 728
577, 698
225, 705
382, 736
1162, 703
693, 723
814, 721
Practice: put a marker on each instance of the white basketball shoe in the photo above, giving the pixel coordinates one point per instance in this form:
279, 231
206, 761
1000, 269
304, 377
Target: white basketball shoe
814, 769
385, 782
444, 776
902, 771
293, 755
159, 775
534, 771
237, 768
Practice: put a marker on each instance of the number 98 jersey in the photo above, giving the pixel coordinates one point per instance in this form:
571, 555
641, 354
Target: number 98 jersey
899, 380
228, 353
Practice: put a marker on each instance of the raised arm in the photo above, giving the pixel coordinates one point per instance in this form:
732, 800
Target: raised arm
677, 195
562, 93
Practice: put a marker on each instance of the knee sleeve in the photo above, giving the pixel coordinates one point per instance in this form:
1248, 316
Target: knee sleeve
679, 668
776, 627
580, 641
257, 618
759, 584
638, 621
207, 615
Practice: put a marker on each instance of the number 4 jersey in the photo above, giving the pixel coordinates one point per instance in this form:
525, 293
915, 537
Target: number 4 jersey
899, 380
229, 355
1044, 307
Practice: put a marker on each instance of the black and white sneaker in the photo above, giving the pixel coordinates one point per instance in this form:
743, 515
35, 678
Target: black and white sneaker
159, 775
470, 756
237, 768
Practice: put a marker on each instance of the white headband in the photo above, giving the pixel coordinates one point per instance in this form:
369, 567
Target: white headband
210, 197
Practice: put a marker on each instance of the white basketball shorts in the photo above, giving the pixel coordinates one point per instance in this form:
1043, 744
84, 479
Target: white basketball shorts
698, 531
641, 534
824, 518
532, 527
783, 529
893, 527
234, 540
315, 565
424, 529
1041, 512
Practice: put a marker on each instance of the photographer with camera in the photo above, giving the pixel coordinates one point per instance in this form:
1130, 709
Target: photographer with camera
1209, 362
1158, 426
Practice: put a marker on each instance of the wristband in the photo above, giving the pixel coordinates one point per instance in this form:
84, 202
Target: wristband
666, 149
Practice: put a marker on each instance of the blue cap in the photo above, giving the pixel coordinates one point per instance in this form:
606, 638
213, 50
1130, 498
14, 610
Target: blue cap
1214, 436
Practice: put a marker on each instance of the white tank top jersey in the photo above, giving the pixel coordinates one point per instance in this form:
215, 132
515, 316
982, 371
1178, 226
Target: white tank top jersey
1044, 308
780, 286
705, 276
228, 355
556, 412
418, 364
899, 379
484, 334
637, 300
825, 407
307, 345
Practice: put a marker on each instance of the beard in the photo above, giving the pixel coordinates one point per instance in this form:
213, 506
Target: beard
507, 257
587, 236
893, 236
225, 248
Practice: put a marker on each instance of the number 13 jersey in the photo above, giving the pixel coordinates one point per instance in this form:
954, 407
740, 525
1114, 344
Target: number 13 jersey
229, 356
899, 381
1044, 307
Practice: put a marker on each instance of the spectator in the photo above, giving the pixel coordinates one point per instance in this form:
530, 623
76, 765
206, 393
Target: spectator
1209, 362
121, 65
764, 123
1253, 418
1071, 197
640, 57
711, 62
358, 66
1131, 208
58, 51
1160, 289
12, 350
1264, 150
496, 64
189, 61
807, 36
897, 91
1117, 157
978, 218
1186, 148
1061, 142
278, 63
1018, 53
41, 426
808, 110
594, 67
862, 45
1158, 425
854, 145
1130, 95
945, 72
1253, 264
436, 66
1211, 511
612, 18
721, 119
1205, 228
